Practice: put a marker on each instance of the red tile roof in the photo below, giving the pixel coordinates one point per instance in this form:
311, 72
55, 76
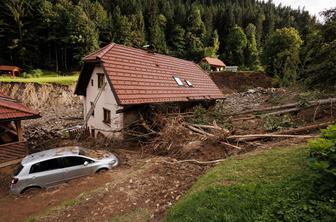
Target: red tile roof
138, 76
9, 68
214, 62
11, 109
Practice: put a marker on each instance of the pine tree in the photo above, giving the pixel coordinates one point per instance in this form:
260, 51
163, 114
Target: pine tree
122, 28
251, 51
236, 44
177, 41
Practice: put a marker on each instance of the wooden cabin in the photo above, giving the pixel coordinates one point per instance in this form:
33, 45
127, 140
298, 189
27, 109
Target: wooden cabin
10, 70
12, 143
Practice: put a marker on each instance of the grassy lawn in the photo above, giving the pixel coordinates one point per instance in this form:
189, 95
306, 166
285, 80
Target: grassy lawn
46, 77
269, 185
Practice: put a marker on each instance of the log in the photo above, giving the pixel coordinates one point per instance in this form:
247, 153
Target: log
261, 136
199, 130
230, 145
286, 111
216, 127
289, 105
195, 161
305, 129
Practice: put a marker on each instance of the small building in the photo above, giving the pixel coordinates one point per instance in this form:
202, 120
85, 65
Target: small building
12, 144
215, 64
10, 70
116, 79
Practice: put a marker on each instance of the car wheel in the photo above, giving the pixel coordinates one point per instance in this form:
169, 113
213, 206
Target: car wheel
102, 170
31, 190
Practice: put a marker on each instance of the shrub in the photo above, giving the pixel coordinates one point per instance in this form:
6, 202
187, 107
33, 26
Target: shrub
36, 73
323, 157
274, 123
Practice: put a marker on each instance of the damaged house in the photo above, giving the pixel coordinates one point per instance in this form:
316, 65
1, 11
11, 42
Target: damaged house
117, 79
12, 144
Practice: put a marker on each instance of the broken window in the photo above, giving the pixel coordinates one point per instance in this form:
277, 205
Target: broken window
107, 116
189, 83
178, 81
100, 80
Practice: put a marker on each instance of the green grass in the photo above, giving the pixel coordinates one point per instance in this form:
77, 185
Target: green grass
133, 215
270, 185
47, 77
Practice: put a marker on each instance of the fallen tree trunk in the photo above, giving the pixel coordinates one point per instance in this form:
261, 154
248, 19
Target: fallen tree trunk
197, 130
261, 136
230, 145
305, 129
194, 161
289, 105
215, 127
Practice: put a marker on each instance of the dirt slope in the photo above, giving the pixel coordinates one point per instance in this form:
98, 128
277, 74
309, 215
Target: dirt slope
230, 82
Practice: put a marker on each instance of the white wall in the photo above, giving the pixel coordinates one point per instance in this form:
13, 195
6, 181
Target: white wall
107, 101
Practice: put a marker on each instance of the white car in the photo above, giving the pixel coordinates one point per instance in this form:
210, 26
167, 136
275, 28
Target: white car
52, 167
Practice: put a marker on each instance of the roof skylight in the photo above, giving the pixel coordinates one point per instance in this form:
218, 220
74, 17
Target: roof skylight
189, 83
178, 81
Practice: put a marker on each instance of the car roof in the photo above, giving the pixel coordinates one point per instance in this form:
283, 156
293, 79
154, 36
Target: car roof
49, 154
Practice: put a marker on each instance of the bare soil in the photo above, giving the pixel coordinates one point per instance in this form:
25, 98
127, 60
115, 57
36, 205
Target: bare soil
230, 82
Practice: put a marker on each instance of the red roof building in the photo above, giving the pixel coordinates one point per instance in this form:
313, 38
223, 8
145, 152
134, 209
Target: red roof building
136, 76
215, 63
10, 70
12, 143
10, 109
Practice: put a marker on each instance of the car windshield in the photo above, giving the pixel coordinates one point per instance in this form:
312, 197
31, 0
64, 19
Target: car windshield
17, 170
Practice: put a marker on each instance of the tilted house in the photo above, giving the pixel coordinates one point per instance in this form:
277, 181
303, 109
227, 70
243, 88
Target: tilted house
215, 64
12, 144
117, 77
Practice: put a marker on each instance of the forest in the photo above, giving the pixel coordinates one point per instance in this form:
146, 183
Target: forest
288, 44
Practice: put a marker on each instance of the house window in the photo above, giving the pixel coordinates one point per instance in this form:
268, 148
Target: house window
100, 80
91, 82
189, 83
178, 81
92, 109
107, 116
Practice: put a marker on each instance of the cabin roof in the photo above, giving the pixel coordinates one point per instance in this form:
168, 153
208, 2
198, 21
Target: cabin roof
12, 109
214, 62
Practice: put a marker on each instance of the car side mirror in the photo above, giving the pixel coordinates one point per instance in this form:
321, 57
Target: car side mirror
86, 163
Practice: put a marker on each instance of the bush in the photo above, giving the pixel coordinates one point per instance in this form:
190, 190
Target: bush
274, 123
36, 73
323, 158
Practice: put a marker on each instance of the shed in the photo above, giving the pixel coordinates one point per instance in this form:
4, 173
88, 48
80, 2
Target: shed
10, 70
215, 64
12, 143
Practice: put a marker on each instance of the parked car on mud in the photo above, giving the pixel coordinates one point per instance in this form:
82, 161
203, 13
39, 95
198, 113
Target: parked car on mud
52, 167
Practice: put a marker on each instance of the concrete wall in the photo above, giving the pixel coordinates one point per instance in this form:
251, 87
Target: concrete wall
107, 101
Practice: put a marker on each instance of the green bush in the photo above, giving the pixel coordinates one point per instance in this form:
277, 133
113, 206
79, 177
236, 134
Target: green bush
274, 123
36, 73
323, 157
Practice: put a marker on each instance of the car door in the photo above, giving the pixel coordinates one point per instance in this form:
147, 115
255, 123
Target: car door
74, 167
47, 173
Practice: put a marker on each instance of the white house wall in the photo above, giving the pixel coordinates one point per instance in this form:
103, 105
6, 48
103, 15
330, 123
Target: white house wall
107, 101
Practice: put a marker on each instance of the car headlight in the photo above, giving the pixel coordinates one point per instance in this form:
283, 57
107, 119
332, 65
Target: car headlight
113, 162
